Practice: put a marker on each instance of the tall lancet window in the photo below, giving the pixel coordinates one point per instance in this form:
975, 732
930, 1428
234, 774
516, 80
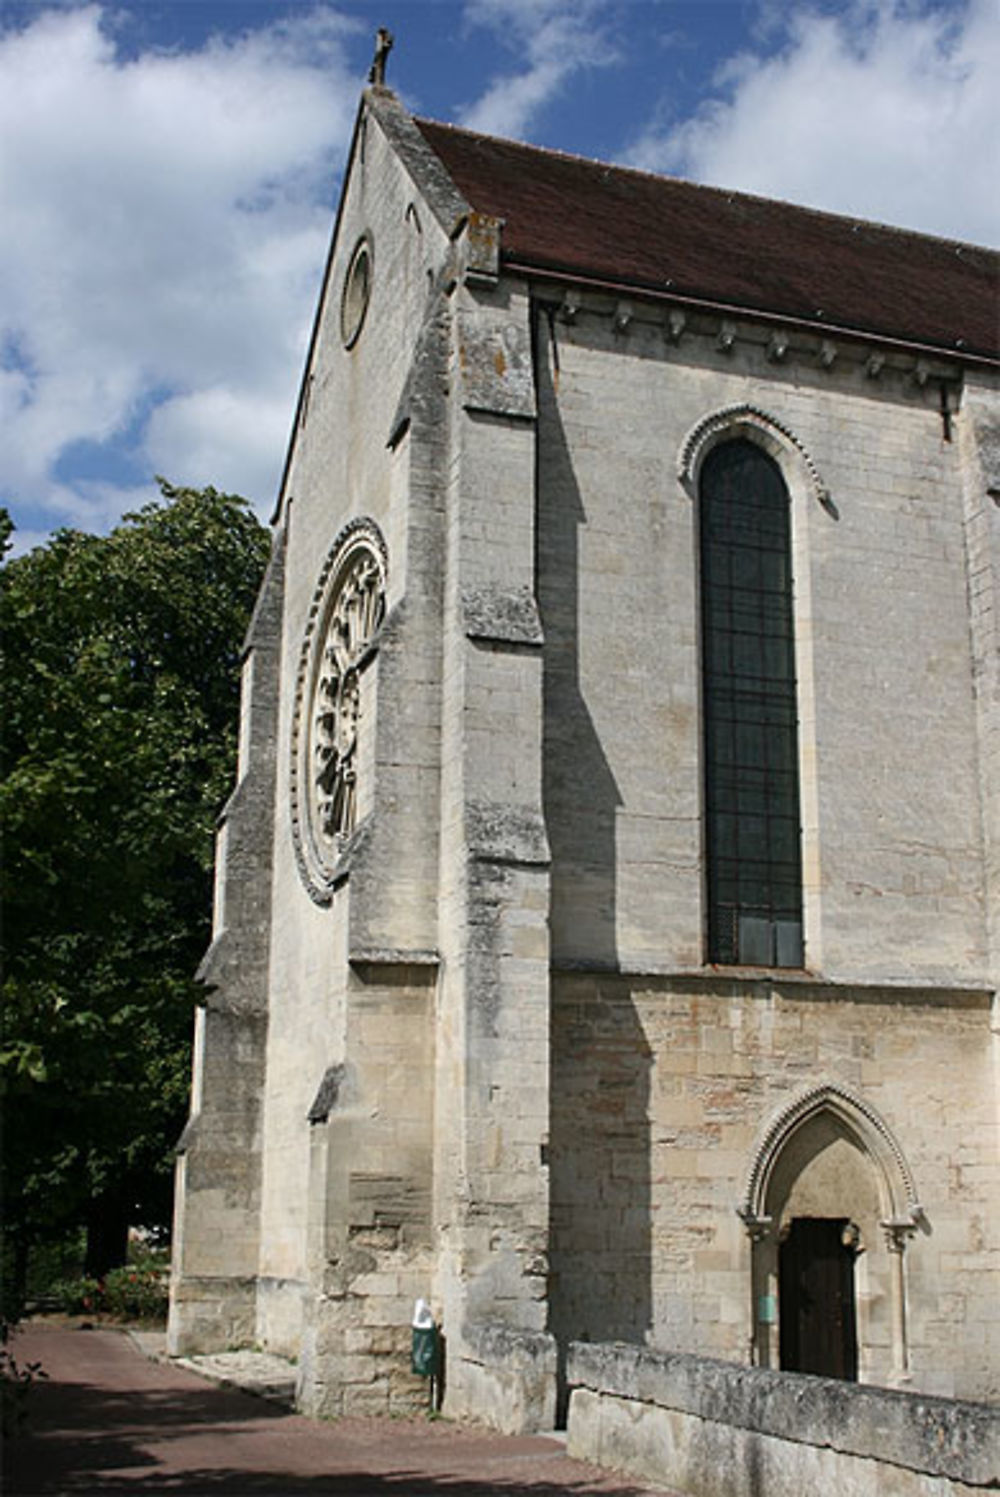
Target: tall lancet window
754, 867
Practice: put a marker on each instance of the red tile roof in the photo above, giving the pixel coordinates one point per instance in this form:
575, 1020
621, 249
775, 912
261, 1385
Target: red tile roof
574, 217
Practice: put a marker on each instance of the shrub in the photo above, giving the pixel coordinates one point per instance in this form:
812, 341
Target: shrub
146, 1256
130, 1293
136, 1293
78, 1296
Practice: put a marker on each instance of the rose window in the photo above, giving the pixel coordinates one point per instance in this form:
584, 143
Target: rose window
330, 716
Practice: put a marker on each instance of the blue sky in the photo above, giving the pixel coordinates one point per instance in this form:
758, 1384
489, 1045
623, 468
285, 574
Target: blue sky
171, 168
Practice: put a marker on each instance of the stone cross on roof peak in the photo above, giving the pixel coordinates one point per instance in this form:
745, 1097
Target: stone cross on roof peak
383, 46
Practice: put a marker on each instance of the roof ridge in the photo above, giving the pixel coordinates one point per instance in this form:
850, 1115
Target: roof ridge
729, 193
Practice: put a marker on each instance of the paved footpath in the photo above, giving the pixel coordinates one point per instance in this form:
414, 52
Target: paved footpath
107, 1419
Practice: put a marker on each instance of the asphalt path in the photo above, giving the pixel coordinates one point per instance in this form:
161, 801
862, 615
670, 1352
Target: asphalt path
106, 1419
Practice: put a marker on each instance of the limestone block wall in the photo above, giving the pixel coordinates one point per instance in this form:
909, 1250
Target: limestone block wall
661, 1092
667, 1071
491, 1204
348, 462
980, 445
369, 1232
892, 841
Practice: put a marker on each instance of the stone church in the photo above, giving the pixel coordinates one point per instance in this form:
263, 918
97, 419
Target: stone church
607, 921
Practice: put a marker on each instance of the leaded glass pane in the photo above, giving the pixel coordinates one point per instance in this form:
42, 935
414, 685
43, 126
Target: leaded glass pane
751, 752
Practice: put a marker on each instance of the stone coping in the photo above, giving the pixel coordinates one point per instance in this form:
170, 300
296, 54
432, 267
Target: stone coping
937, 1436
497, 1345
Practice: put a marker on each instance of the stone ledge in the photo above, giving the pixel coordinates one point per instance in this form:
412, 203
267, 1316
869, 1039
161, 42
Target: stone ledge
937, 1436
382, 967
393, 956
498, 615
222, 971
500, 833
764, 980
497, 378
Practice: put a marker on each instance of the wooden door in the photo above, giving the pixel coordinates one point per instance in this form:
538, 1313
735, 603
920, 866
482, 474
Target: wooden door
816, 1296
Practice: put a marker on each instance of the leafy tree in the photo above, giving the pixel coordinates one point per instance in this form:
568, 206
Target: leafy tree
120, 712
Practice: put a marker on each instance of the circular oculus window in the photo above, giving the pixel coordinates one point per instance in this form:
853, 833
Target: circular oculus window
344, 621
356, 294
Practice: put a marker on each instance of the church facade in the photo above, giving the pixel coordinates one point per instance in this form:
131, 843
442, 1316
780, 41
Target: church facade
607, 926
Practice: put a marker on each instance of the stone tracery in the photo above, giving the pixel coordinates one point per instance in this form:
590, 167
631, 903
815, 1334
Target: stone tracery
347, 612
354, 620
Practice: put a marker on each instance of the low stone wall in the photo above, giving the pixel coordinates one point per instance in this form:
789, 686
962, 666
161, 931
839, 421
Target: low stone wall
504, 1377
714, 1429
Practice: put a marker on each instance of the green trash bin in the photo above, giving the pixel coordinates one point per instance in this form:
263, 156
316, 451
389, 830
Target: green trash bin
424, 1342
424, 1351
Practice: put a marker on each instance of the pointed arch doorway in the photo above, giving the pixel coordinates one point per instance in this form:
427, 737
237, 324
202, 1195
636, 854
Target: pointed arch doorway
829, 1206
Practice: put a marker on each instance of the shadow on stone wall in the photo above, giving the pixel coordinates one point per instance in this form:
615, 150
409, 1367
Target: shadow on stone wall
580, 795
599, 1238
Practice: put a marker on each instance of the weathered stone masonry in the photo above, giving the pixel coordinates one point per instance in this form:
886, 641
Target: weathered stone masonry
463, 1038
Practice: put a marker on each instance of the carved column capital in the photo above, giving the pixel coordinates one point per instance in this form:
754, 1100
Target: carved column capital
898, 1230
757, 1227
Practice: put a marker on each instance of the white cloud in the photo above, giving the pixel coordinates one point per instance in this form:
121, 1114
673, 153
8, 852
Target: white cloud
887, 111
165, 219
556, 38
241, 432
165, 215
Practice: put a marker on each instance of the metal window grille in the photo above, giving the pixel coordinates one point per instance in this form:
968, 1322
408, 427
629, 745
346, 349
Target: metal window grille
754, 873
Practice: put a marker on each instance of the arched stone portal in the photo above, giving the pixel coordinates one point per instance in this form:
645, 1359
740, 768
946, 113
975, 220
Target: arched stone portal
830, 1201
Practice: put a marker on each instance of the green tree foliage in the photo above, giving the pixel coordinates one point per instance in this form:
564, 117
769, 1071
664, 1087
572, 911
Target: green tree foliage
120, 712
